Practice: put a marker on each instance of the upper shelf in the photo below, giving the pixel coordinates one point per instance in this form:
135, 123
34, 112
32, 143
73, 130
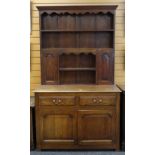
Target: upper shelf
63, 30
83, 22
76, 51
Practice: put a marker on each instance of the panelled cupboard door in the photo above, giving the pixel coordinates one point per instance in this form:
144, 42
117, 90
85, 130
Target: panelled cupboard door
49, 68
96, 127
56, 127
105, 67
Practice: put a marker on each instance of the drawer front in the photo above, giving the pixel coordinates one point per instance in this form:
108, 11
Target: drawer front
98, 100
57, 100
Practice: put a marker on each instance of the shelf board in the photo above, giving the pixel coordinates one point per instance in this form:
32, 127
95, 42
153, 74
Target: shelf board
77, 49
106, 30
77, 69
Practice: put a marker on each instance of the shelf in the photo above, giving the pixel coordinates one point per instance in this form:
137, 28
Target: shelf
106, 30
77, 69
76, 50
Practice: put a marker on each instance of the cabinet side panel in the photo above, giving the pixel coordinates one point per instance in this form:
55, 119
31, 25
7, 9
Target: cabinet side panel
118, 122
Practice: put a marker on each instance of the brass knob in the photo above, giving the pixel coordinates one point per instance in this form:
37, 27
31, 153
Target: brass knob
54, 100
94, 100
100, 100
59, 100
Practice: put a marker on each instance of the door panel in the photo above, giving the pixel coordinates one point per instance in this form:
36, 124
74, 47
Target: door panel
49, 68
57, 127
96, 127
105, 67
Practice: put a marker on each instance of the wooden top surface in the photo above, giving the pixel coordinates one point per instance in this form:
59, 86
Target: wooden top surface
77, 88
122, 87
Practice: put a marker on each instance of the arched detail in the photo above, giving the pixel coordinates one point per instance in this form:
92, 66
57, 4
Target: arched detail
106, 60
64, 12
44, 13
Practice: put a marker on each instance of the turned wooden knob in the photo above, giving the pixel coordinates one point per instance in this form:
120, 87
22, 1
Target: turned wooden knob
94, 100
59, 100
100, 100
54, 100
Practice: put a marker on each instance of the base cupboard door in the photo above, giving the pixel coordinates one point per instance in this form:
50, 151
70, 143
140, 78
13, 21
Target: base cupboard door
96, 128
56, 128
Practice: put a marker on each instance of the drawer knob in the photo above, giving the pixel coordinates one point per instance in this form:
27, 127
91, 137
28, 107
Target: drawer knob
54, 100
94, 100
59, 100
100, 100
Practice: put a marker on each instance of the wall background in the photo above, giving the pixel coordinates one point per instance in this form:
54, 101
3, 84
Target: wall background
35, 75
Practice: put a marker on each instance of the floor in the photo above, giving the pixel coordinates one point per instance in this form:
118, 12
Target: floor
76, 153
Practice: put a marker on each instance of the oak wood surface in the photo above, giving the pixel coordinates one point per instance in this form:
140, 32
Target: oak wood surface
77, 88
57, 127
96, 127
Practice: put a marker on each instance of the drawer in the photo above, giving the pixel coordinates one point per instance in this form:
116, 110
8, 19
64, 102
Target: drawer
98, 100
57, 100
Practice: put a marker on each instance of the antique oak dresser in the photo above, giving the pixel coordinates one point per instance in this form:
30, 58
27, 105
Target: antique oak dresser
77, 105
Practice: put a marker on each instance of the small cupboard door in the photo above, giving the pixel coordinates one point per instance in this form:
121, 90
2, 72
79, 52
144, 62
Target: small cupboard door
105, 67
49, 68
56, 127
96, 127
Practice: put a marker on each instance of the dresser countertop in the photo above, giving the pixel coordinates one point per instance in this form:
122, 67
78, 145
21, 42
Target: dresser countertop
77, 88
122, 87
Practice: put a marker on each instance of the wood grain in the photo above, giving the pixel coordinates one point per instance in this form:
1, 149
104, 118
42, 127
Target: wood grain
77, 88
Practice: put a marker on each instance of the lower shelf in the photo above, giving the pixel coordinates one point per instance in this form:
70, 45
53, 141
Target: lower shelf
77, 69
77, 77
